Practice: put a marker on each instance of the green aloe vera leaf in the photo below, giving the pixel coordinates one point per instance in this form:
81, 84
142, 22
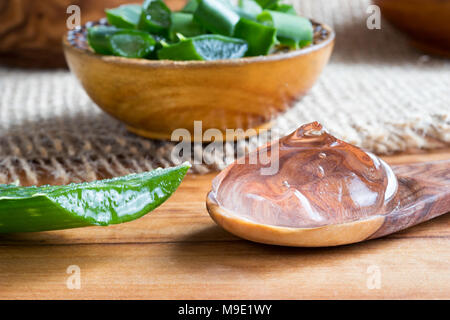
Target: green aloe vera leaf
184, 23
205, 47
248, 9
98, 38
179, 51
216, 16
260, 38
190, 6
132, 44
267, 4
160, 42
293, 31
125, 16
98, 203
155, 17
286, 8
120, 42
217, 47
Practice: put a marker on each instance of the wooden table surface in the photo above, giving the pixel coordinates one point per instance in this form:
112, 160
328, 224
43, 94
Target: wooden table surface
177, 252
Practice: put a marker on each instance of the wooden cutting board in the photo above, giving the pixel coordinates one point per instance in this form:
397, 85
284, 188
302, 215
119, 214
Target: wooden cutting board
177, 252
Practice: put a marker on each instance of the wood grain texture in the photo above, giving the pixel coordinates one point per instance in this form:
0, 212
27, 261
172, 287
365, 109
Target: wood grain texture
156, 97
425, 22
424, 193
179, 252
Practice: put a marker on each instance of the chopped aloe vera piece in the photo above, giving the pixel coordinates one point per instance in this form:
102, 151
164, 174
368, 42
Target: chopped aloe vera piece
292, 31
216, 16
132, 44
155, 17
160, 42
184, 23
120, 42
267, 4
286, 8
182, 50
98, 38
126, 16
205, 47
98, 203
260, 38
248, 9
217, 47
190, 6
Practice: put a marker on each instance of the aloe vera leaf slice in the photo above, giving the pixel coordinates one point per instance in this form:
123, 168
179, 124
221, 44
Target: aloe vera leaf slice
97, 203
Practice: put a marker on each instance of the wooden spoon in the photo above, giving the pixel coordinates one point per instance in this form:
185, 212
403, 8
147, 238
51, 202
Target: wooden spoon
353, 197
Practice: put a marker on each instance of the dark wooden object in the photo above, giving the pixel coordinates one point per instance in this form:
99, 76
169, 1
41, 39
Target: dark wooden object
31, 31
424, 193
427, 23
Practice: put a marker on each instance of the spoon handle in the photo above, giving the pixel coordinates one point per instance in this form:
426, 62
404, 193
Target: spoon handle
424, 193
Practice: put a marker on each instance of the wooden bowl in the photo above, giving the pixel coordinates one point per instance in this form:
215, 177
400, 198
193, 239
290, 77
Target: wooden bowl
427, 23
155, 97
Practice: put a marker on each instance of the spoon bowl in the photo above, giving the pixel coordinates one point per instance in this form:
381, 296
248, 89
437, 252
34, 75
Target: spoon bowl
156, 97
325, 193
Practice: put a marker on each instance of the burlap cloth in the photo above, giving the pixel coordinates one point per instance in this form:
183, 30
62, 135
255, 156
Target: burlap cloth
377, 92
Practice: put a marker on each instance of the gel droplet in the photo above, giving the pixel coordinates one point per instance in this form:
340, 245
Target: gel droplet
320, 172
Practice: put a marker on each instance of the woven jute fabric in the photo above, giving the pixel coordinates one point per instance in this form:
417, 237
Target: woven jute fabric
377, 92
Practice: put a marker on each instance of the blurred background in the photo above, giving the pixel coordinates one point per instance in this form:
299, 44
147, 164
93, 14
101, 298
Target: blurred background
31, 31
